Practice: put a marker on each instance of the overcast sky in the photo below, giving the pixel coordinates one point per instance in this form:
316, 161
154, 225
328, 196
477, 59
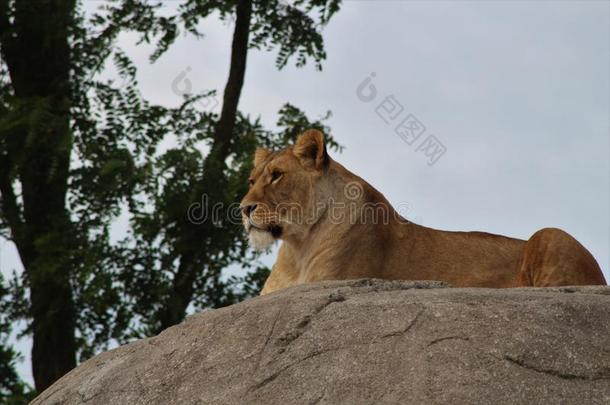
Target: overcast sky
518, 93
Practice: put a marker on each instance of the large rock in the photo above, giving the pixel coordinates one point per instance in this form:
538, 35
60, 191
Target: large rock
366, 341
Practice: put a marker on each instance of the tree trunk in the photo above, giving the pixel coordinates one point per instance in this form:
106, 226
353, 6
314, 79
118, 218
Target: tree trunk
174, 310
213, 180
36, 49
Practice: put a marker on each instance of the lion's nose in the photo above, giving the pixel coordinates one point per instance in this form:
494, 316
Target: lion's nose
247, 209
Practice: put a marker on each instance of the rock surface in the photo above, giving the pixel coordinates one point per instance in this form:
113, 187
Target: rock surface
366, 341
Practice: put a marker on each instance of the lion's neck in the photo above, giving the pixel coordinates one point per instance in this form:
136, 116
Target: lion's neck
354, 213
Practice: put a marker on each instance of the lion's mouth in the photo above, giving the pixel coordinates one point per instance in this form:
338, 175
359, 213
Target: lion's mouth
274, 230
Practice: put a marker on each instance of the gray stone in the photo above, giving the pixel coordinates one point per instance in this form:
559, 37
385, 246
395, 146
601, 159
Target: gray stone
366, 342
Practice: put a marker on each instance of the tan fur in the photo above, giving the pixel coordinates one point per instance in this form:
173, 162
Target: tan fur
260, 155
346, 229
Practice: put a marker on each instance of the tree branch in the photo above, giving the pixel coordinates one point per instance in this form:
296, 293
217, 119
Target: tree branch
232, 93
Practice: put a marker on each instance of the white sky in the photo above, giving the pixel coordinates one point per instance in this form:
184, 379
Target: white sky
518, 92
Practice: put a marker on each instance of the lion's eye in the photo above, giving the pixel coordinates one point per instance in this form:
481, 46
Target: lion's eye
251, 182
276, 175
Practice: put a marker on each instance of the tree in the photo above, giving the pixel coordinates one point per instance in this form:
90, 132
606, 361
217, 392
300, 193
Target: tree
76, 151
202, 250
36, 148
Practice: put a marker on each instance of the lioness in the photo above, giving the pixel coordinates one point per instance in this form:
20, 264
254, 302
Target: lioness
334, 225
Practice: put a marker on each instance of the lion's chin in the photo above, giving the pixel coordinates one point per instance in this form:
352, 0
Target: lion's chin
259, 239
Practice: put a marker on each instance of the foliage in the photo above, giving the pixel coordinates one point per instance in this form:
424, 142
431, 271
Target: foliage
291, 27
12, 389
122, 171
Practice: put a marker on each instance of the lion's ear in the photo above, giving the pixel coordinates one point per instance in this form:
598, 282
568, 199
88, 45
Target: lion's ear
260, 155
310, 149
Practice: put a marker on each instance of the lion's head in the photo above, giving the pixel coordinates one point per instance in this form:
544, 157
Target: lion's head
285, 188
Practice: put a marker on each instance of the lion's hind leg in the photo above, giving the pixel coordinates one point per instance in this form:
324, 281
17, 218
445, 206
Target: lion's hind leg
552, 257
